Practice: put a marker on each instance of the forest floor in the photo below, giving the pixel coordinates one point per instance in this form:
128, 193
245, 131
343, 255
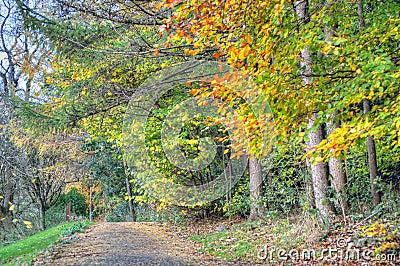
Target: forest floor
128, 244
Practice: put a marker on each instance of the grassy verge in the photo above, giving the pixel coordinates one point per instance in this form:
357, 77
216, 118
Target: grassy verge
243, 241
23, 251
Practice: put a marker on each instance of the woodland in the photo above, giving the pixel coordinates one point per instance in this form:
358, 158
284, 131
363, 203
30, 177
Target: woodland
327, 74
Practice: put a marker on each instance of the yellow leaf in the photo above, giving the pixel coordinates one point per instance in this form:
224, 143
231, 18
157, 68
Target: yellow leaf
28, 224
244, 52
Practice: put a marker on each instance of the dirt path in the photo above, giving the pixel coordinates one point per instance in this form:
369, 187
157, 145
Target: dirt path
129, 244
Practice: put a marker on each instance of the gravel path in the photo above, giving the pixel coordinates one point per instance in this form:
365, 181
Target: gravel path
129, 244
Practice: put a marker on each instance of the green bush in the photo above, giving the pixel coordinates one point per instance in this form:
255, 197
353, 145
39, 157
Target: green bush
239, 201
55, 215
78, 227
79, 206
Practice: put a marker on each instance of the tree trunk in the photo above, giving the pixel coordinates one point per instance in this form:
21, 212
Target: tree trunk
130, 200
68, 215
319, 174
42, 217
319, 171
257, 210
339, 178
90, 204
373, 166
360, 13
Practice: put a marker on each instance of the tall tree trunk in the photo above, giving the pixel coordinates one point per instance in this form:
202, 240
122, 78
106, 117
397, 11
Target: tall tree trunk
68, 212
373, 166
257, 210
319, 172
90, 204
336, 165
42, 217
130, 200
336, 169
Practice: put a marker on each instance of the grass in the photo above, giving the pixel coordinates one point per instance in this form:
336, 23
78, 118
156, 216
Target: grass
23, 251
244, 241
229, 244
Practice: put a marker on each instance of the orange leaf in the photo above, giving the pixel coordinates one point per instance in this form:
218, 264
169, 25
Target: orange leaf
194, 91
181, 33
248, 39
216, 55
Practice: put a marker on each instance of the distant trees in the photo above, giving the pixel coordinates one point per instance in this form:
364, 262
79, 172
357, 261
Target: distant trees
49, 170
22, 61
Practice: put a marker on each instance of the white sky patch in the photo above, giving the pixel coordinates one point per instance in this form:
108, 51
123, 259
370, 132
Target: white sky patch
2, 55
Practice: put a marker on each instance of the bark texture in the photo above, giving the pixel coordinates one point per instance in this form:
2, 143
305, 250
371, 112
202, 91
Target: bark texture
373, 166
319, 174
337, 171
257, 210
